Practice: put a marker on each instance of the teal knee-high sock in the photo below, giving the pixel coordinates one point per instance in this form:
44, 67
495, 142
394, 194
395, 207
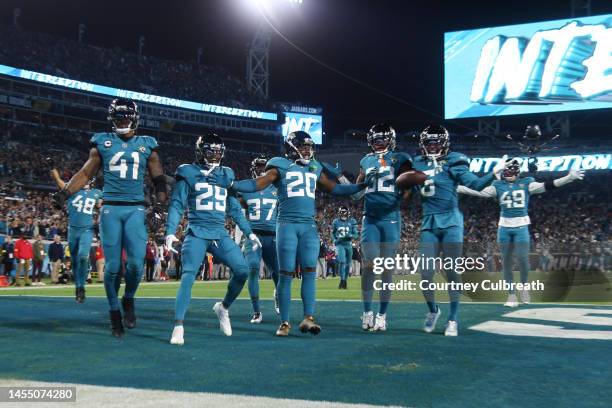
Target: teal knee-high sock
507, 252
183, 296
308, 292
82, 271
234, 286
254, 288
133, 276
342, 268
283, 291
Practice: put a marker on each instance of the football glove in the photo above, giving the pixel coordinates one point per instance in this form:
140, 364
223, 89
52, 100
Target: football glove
49, 163
371, 178
501, 165
218, 178
171, 239
59, 198
574, 175
256, 241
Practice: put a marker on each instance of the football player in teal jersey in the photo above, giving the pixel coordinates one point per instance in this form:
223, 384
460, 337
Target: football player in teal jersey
124, 158
344, 230
513, 192
208, 205
382, 222
442, 224
81, 207
261, 212
296, 178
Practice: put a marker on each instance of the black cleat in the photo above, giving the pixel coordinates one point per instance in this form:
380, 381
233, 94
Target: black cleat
80, 295
116, 325
340, 284
129, 318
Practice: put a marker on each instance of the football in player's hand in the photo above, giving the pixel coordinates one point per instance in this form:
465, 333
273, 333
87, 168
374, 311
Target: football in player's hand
410, 178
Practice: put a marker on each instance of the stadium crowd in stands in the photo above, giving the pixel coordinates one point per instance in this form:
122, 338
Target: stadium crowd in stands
123, 69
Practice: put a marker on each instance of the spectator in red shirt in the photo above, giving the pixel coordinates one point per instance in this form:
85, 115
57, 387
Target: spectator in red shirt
150, 255
23, 254
100, 262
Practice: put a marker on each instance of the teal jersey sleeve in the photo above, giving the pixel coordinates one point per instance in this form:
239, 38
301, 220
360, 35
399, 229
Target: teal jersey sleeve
354, 231
177, 204
234, 211
335, 229
458, 167
279, 163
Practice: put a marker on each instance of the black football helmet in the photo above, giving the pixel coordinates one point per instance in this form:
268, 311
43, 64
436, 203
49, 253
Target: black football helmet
299, 147
209, 150
511, 169
532, 132
258, 166
123, 116
344, 213
434, 141
381, 138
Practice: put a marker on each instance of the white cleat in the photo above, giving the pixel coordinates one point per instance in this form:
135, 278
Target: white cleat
224, 320
512, 301
451, 329
367, 320
177, 336
257, 318
381, 322
525, 296
276, 308
430, 321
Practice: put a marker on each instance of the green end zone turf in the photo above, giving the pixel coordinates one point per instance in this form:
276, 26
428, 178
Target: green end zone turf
54, 339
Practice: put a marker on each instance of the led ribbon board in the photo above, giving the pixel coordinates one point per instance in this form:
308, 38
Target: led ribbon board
138, 96
548, 66
598, 161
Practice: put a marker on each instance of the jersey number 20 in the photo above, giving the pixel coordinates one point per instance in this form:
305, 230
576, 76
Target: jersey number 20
302, 184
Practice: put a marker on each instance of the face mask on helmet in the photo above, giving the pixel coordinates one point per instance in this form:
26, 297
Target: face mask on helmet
209, 153
434, 142
511, 171
343, 213
258, 167
123, 116
381, 138
299, 147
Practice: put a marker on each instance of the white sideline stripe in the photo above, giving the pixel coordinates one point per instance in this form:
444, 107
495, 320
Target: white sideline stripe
101, 396
601, 304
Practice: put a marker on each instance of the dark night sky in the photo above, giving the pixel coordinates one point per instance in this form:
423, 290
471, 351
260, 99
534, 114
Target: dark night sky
396, 46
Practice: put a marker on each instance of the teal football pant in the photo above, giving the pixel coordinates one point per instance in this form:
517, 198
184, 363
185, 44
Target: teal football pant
379, 238
79, 242
268, 252
344, 258
193, 251
122, 227
514, 241
443, 243
296, 241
